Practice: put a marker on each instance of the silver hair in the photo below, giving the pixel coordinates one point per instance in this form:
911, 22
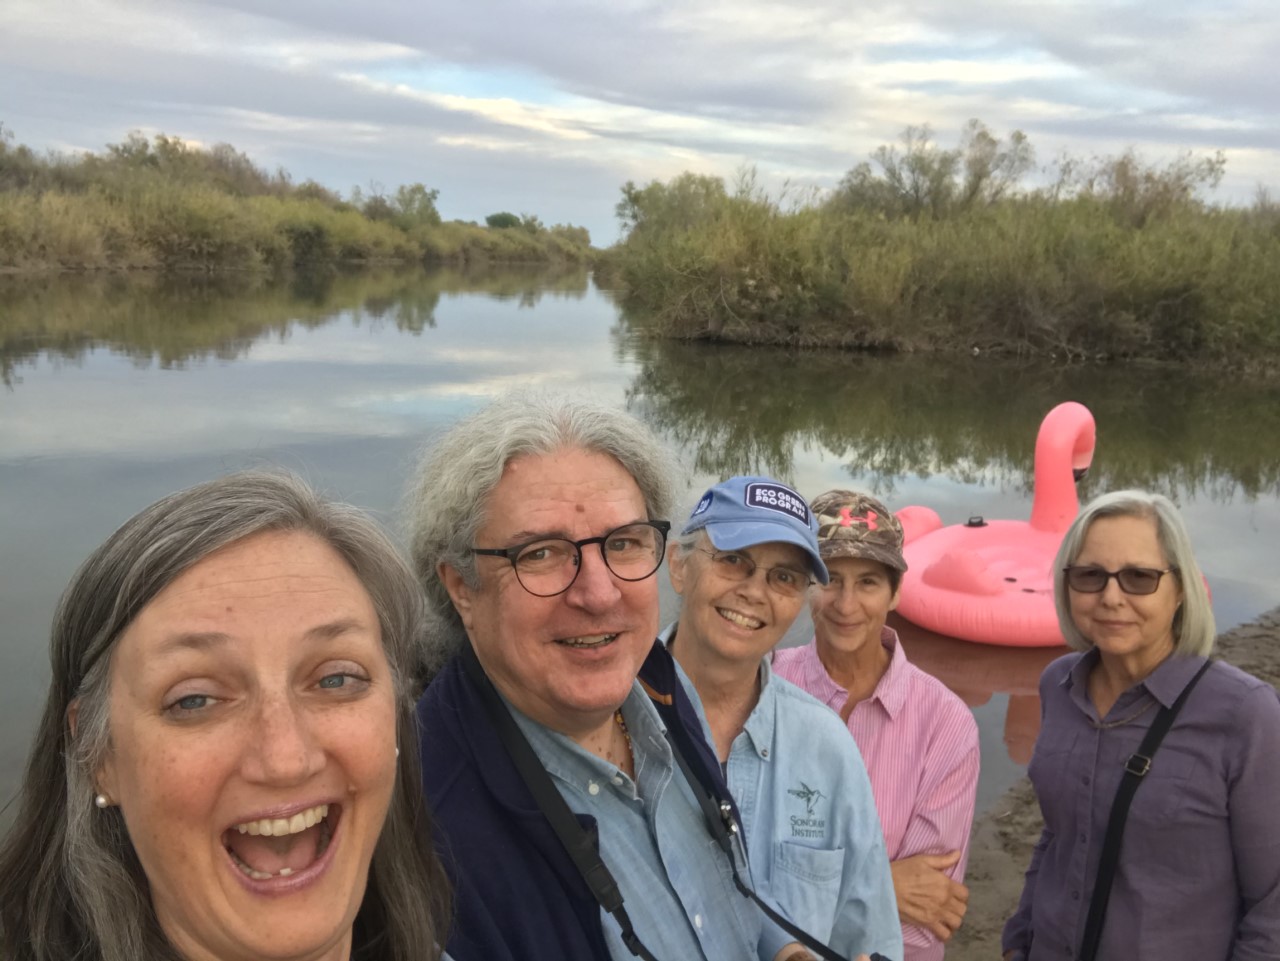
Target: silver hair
1193, 624
446, 503
686, 543
71, 884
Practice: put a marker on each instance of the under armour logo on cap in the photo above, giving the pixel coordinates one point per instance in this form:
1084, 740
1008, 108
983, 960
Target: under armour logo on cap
847, 517
853, 524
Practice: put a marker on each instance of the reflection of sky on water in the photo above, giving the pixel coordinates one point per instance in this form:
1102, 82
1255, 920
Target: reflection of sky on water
335, 380
85, 443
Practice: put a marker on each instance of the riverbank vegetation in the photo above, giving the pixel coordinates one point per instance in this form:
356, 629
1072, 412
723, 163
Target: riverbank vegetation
922, 248
164, 203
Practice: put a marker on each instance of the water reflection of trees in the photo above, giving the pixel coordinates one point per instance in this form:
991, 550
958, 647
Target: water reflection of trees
172, 320
744, 410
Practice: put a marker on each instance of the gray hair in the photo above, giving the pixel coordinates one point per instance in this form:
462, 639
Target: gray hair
683, 545
1193, 625
448, 497
686, 543
71, 884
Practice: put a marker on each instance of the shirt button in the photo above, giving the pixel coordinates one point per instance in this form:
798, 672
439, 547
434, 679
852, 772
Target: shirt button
764, 752
1085, 779
617, 779
1075, 895
697, 921
593, 788
1082, 839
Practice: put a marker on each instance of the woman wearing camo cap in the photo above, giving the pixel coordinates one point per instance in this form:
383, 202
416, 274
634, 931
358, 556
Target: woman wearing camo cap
918, 740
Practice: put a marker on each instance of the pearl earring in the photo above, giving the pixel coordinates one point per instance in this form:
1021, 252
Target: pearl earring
101, 800
397, 752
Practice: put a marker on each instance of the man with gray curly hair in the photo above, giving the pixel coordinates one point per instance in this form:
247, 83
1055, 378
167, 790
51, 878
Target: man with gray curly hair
536, 526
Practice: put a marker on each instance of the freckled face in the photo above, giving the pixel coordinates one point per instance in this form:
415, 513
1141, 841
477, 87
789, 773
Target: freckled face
1137, 628
735, 620
566, 661
253, 692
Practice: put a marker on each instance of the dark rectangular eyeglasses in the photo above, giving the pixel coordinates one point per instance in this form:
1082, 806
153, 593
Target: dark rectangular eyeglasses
1091, 579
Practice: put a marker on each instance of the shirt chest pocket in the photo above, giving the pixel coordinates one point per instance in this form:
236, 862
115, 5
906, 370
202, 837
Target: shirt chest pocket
1054, 775
806, 884
1165, 793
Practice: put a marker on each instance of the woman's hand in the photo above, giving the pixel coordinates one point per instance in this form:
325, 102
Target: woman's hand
927, 896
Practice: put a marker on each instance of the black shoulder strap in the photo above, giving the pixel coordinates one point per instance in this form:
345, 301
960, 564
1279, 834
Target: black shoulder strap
578, 843
1135, 769
721, 815
723, 827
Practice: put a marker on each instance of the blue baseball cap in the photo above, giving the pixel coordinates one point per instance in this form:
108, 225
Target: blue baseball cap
745, 511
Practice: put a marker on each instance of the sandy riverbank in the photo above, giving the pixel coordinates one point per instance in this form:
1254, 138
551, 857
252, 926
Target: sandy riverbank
1004, 836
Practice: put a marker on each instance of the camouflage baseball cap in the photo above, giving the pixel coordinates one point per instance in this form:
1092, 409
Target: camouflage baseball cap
851, 524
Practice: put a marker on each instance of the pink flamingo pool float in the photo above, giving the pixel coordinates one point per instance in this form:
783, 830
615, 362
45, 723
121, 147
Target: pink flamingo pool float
991, 581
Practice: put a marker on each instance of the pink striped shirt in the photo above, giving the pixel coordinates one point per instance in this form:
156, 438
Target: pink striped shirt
920, 746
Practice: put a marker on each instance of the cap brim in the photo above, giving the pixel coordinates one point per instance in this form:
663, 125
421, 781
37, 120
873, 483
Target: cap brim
737, 535
846, 548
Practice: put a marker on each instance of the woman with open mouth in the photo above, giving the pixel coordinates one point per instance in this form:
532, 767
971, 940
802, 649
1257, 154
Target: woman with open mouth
227, 765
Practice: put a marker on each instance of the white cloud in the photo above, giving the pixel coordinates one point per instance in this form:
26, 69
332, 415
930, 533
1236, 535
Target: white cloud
578, 96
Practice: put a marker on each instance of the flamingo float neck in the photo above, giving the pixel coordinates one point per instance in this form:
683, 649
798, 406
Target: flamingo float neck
1064, 450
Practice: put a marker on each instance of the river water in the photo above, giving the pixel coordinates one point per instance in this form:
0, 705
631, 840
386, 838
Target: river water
117, 391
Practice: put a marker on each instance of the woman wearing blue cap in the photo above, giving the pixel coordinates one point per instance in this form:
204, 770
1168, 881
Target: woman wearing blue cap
743, 565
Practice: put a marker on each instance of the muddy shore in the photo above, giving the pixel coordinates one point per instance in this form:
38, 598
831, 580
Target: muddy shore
1004, 836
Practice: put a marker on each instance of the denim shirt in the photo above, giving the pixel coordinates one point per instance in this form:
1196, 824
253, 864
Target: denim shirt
675, 880
813, 835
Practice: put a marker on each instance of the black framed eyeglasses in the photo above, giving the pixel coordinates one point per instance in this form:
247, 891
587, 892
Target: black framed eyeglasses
1091, 579
737, 566
547, 566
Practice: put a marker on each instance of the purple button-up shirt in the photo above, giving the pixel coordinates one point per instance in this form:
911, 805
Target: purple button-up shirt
1199, 872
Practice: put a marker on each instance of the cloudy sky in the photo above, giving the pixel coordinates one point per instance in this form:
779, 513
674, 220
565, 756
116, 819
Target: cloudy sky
548, 106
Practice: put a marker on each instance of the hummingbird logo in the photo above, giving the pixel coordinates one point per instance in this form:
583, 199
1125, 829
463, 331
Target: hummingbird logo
809, 795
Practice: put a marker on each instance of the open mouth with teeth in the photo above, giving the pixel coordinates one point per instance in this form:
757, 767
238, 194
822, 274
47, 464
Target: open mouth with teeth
592, 641
280, 847
733, 617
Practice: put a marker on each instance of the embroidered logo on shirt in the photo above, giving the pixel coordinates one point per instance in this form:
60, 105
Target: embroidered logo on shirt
807, 825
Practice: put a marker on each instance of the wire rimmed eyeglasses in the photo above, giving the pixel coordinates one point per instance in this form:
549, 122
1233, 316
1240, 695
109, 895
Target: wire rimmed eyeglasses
737, 566
547, 566
1091, 579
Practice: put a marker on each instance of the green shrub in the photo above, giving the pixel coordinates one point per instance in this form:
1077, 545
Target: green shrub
165, 203
942, 251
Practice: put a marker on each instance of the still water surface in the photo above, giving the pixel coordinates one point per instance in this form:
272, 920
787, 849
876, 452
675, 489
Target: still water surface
117, 391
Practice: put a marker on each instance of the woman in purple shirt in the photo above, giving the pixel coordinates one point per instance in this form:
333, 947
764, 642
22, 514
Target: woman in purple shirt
1199, 869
